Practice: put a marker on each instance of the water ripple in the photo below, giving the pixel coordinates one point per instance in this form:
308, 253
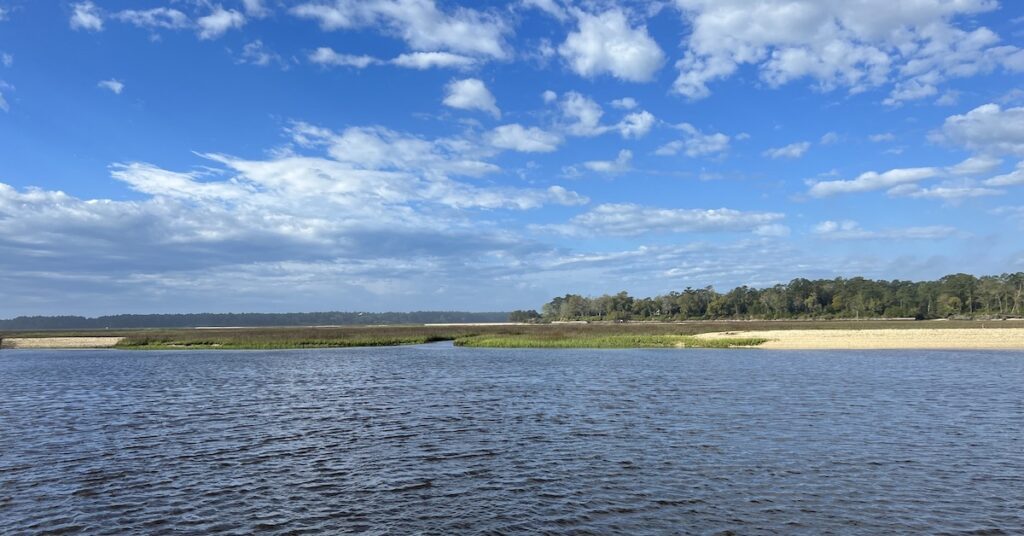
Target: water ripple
435, 440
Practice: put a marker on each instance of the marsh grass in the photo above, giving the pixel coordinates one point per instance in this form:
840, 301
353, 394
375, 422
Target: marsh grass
611, 341
595, 335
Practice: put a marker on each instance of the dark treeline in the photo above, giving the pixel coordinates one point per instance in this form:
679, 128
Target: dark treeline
244, 320
957, 295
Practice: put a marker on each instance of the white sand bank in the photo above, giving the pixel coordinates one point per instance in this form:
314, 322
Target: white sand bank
60, 342
881, 339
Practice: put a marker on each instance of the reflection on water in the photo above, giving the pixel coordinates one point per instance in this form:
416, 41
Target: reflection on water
436, 439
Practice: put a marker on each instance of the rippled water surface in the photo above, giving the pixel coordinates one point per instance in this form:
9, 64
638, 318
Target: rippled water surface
436, 439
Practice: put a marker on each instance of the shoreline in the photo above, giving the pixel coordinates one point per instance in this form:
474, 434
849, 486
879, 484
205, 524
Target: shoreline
872, 337
57, 343
882, 339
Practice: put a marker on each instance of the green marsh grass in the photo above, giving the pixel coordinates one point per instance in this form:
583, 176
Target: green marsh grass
594, 335
611, 341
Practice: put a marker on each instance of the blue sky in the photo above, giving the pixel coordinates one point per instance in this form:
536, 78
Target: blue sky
189, 155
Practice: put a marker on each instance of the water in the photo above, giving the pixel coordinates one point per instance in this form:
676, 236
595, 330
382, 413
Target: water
441, 440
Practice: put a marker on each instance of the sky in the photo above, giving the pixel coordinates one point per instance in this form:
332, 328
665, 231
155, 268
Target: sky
398, 155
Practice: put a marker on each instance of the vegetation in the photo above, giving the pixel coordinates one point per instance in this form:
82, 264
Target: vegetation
610, 341
583, 335
245, 320
953, 296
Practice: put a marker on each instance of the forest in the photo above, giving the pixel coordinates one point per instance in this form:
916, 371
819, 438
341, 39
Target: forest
953, 296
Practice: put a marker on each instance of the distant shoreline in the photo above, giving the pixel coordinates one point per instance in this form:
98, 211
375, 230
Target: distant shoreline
791, 335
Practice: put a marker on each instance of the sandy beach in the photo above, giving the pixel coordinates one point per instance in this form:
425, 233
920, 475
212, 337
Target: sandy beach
60, 342
883, 339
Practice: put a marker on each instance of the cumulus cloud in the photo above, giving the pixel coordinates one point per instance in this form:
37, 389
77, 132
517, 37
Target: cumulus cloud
793, 150
627, 219
382, 149
872, 180
582, 114
949, 193
975, 165
420, 23
470, 94
882, 137
86, 16
1012, 178
987, 129
255, 8
113, 85
327, 56
430, 60
606, 43
851, 230
695, 143
551, 7
155, 18
255, 53
829, 138
363, 197
839, 44
625, 103
636, 125
619, 165
218, 22
516, 137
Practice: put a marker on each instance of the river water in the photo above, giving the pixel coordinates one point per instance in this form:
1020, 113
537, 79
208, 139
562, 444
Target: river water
438, 440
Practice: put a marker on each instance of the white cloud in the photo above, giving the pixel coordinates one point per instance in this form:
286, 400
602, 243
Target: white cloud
695, 143
255, 53
829, 138
550, 7
382, 149
3, 13
114, 85
470, 94
986, 129
607, 44
776, 230
218, 22
1012, 178
619, 165
516, 137
625, 103
1012, 213
328, 57
882, 137
4, 106
872, 180
583, 115
161, 17
549, 96
86, 16
793, 150
949, 98
851, 230
836, 43
947, 193
975, 165
420, 23
636, 125
429, 60
255, 8
288, 220
627, 219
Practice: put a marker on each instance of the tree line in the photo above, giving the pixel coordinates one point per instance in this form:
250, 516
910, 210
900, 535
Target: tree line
953, 296
245, 320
